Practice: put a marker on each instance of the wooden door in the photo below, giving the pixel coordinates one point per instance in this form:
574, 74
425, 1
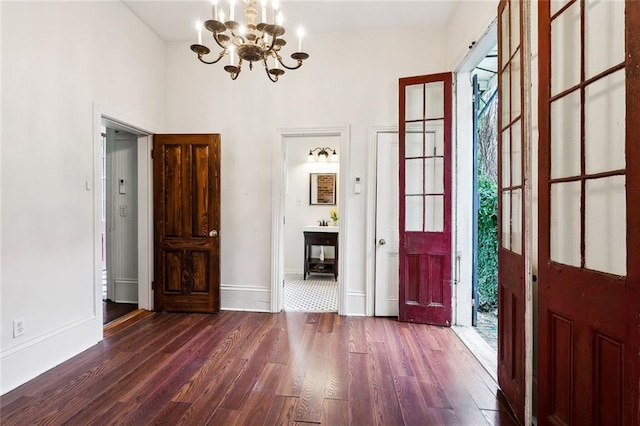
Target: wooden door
186, 171
387, 236
589, 242
425, 199
511, 196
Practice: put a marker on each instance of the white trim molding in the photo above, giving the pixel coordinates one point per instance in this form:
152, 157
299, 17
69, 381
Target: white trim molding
356, 301
143, 130
245, 298
277, 231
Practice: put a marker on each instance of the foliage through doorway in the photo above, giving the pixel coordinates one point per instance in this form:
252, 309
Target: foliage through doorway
488, 204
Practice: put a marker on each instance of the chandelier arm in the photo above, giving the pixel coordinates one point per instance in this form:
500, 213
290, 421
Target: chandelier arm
273, 43
273, 78
237, 36
215, 37
211, 62
285, 65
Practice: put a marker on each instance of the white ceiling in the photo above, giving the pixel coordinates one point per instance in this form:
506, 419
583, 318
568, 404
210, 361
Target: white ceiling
174, 20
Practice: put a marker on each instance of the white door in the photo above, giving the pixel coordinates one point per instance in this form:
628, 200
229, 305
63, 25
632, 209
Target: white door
387, 235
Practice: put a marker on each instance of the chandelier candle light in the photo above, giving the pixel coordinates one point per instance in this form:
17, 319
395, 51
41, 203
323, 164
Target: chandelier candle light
250, 41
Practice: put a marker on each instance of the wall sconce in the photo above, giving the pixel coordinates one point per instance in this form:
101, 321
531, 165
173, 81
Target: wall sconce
323, 155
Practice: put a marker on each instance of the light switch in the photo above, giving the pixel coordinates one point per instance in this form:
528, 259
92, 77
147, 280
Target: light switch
123, 211
122, 185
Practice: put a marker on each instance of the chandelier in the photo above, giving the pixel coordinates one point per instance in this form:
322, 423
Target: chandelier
250, 42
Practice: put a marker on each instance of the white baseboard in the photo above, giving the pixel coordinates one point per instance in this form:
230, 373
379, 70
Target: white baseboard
356, 303
28, 360
245, 298
126, 290
294, 271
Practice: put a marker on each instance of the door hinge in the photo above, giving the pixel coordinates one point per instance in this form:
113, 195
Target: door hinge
152, 154
284, 220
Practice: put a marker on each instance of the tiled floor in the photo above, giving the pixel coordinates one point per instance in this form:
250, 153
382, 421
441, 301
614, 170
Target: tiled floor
318, 293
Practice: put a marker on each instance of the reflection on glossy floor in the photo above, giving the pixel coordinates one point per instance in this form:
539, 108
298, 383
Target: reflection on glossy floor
260, 368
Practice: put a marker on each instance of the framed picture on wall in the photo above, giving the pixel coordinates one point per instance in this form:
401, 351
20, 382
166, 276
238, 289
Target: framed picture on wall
322, 188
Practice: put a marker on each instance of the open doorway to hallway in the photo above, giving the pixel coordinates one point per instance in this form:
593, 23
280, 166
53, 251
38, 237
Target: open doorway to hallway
119, 196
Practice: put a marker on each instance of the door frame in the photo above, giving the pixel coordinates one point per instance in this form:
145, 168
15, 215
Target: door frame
278, 209
143, 130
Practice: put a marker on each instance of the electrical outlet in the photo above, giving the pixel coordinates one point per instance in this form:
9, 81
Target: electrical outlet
18, 327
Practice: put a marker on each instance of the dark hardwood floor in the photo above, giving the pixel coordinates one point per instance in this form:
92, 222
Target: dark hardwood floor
265, 369
112, 310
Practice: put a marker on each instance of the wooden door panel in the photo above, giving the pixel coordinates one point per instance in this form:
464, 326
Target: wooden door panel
424, 270
187, 219
200, 190
173, 261
425, 199
172, 202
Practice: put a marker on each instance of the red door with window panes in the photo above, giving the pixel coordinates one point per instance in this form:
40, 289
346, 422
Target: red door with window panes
511, 201
589, 242
425, 199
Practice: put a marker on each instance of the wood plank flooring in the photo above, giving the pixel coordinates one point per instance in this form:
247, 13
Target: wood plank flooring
112, 310
265, 369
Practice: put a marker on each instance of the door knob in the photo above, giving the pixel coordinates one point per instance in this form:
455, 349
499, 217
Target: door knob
382, 242
213, 233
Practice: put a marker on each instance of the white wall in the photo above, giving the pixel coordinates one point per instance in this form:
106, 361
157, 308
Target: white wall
298, 211
58, 58
470, 21
337, 85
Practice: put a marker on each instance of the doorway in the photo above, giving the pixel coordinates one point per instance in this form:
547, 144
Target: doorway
119, 201
485, 198
105, 117
312, 209
480, 67
339, 137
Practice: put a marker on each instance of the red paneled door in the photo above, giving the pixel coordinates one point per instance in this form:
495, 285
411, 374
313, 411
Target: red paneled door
589, 243
511, 201
425, 199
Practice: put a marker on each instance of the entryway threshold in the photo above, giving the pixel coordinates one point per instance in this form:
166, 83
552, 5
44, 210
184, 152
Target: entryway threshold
125, 321
483, 352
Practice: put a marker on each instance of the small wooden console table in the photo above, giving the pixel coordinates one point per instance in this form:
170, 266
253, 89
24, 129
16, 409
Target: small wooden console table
314, 264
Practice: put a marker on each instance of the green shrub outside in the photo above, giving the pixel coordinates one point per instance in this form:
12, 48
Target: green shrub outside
487, 245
